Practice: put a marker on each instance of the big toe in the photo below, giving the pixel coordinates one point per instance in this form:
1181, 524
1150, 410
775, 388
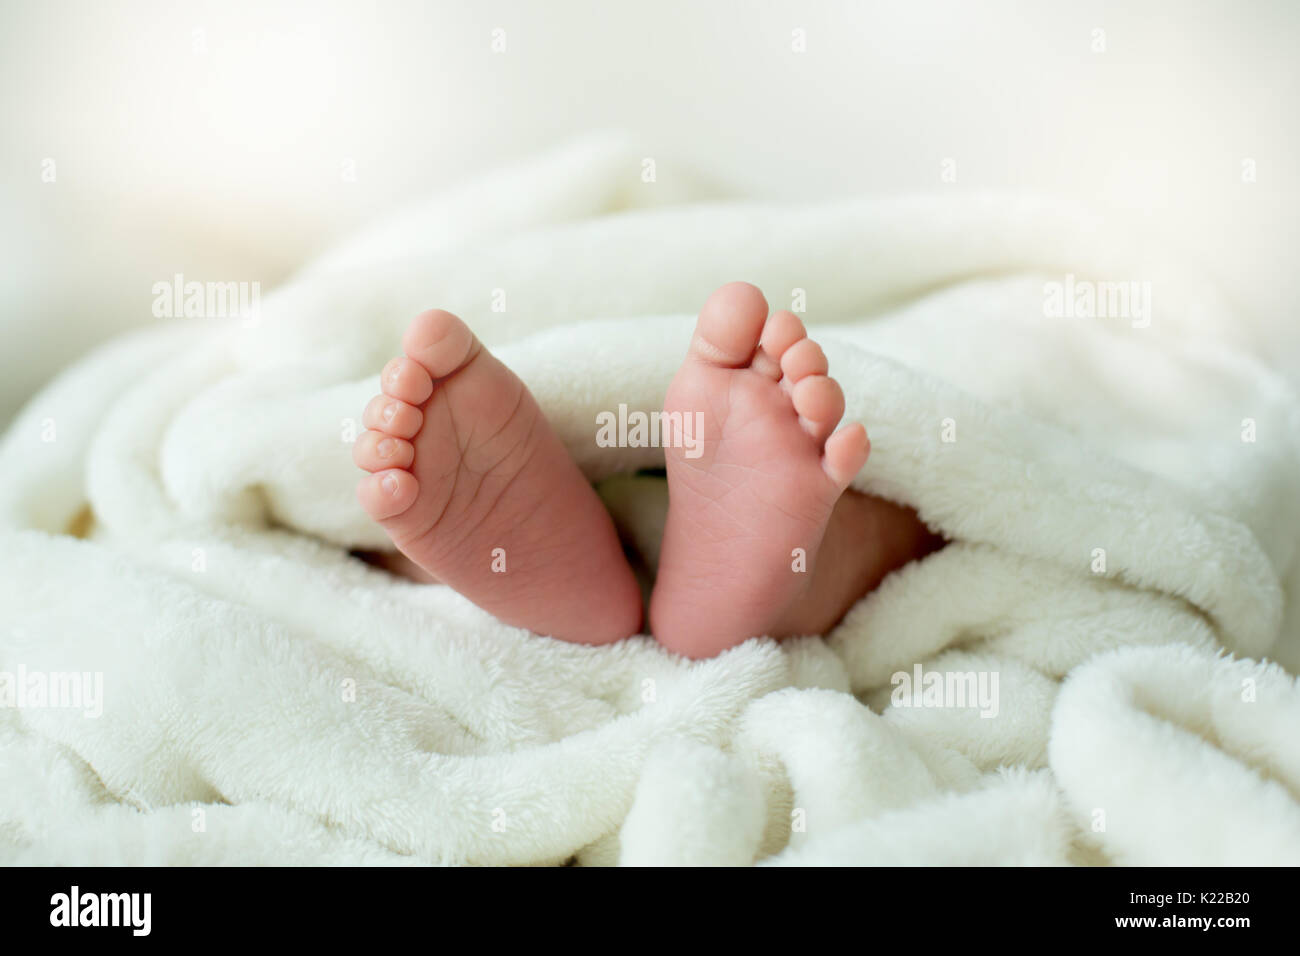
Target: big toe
440, 342
729, 325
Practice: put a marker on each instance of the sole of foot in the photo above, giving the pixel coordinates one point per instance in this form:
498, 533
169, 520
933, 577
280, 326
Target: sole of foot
747, 514
474, 487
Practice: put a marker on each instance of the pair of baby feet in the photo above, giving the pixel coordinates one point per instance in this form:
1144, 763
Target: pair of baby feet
472, 484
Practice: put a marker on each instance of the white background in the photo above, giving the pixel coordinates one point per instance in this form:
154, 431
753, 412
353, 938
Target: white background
209, 139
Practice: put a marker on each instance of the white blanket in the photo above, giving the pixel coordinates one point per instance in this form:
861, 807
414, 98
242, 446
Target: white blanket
1121, 495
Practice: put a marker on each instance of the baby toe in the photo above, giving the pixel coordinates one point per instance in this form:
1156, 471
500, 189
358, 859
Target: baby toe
407, 381
440, 342
782, 330
802, 359
387, 494
846, 452
728, 328
819, 402
394, 416
375, 451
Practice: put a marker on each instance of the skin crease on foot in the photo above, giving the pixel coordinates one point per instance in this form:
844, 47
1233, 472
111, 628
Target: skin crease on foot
762, 536
475, 488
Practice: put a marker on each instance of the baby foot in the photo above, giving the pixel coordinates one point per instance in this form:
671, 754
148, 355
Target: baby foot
747, 516
473, 486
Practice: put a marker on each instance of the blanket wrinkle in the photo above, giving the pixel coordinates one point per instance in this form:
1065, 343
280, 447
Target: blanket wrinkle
177, 513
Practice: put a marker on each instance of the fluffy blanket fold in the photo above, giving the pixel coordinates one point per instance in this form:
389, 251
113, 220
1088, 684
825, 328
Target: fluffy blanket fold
1121, 493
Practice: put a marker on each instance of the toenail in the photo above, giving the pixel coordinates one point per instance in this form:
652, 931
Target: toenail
389, 484
389, 411
386, 448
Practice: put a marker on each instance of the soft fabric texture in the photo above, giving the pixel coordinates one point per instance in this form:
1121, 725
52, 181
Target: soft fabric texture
1121, 497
